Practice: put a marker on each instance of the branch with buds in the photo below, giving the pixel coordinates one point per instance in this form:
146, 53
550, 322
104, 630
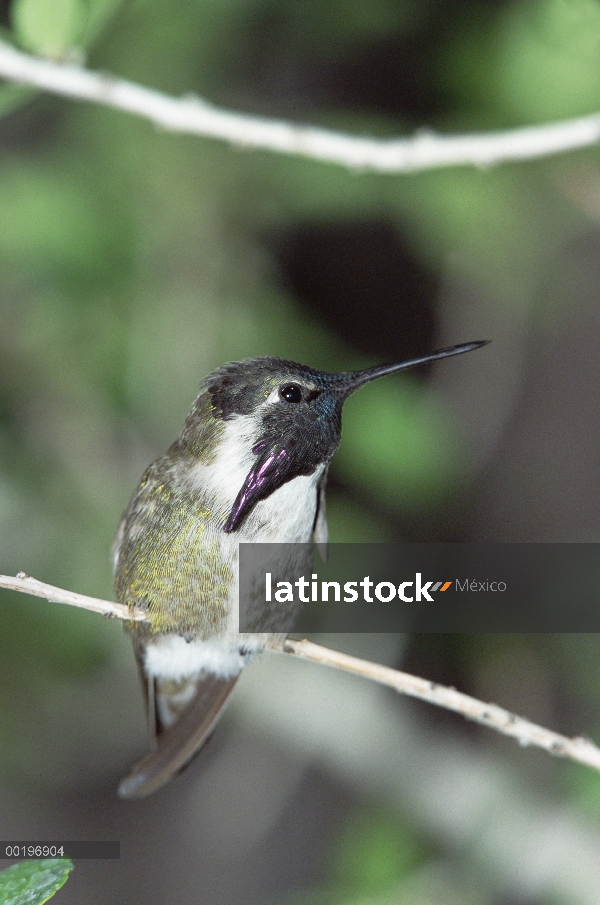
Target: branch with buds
193, 116
526, 733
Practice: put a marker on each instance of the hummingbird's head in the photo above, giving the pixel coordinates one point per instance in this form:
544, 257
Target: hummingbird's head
289, 417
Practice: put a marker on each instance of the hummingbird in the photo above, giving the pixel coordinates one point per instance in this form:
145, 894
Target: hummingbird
250, 465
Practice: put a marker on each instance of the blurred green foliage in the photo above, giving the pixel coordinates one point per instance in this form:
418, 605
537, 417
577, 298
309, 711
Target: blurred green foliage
133, 262
373, 859
373, 854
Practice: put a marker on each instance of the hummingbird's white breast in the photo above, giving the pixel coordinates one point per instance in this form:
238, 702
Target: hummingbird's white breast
287, 516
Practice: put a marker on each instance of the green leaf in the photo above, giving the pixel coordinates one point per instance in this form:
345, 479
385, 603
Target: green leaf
33, 882
48, 27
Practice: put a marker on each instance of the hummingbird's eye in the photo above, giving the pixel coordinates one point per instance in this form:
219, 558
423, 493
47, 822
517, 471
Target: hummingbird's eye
291, 392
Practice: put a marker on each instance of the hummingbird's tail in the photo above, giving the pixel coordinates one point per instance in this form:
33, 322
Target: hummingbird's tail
180, 739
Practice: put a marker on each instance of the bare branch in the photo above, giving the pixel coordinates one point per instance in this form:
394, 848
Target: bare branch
28, 585
490, 715
192, 115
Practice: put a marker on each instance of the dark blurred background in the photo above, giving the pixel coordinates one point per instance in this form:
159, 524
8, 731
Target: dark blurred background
133, 262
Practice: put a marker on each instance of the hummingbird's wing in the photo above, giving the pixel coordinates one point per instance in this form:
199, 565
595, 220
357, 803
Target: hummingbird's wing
182, 716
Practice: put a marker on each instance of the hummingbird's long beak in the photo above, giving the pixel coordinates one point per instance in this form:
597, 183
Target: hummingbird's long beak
352, 380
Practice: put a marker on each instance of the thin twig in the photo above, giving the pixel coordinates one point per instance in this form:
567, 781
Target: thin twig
28, 585
423, 151
490, 715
